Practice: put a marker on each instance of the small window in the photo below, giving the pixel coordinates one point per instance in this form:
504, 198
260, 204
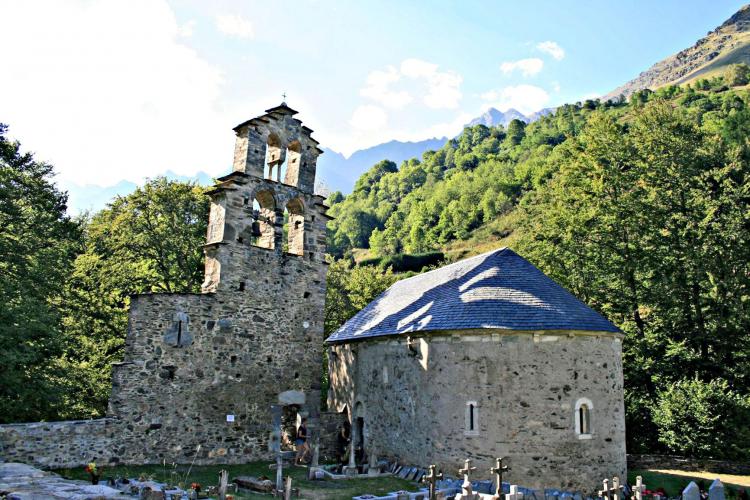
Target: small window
583, 410
472, 419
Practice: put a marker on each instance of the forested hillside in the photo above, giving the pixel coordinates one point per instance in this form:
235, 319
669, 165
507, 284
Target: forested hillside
639, 208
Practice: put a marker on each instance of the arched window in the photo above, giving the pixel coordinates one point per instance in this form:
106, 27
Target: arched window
472, 419
273, 158
291, 168
264, 218
294, 227
582, 417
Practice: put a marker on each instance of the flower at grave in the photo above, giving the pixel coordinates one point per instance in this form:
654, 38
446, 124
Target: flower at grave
195, 486
91, 468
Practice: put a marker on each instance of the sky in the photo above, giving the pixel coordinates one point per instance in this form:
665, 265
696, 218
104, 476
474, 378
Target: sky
108, 91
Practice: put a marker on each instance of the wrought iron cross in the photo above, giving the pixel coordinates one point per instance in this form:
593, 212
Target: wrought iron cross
283, 96
431, 479
498, 470
466, 471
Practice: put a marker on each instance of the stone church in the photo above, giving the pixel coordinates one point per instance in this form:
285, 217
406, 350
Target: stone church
485, 358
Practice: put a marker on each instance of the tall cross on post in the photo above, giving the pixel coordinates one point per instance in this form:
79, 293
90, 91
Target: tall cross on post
283, 96
431, 479
498, 470
466, 472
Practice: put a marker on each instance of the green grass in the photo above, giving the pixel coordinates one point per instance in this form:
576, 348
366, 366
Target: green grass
209, 476
674, 484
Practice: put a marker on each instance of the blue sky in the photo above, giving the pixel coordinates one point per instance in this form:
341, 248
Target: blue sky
110, 91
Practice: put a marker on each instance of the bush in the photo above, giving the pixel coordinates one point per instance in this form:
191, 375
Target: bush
704, 419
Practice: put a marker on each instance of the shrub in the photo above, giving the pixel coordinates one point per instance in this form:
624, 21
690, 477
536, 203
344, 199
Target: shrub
704, 419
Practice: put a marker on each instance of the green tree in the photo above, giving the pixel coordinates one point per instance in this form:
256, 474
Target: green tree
148, 241
38, 241
704, 419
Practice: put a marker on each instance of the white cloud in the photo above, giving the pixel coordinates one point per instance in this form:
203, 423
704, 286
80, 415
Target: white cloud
438, 89
524, 98
527, 67
377, 89
186, 29
368, 118
234, 25
552, 49
556, 86
106, 91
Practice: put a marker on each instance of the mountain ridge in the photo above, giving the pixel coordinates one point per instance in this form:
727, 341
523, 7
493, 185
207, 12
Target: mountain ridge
727, 44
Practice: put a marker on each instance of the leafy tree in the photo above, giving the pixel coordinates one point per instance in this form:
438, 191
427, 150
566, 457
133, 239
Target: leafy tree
148, 241
704, 419
38, 241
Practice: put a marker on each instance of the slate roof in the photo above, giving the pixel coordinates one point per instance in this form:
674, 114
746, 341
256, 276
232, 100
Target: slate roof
495, 290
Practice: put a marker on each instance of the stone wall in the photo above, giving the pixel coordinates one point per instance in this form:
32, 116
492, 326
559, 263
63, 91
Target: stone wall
58, 444
672, 462
524, 388
330, 424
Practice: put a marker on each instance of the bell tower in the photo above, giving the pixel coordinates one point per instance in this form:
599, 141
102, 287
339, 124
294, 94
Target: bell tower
266, 208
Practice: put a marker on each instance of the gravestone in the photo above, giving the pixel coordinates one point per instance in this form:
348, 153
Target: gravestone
716, 490
691, 492
514, 493
639, 488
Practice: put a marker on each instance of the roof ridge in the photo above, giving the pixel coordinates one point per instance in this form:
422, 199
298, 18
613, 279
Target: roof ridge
497, 251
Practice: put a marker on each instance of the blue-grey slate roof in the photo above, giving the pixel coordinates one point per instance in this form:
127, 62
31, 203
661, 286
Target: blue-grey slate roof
495, 290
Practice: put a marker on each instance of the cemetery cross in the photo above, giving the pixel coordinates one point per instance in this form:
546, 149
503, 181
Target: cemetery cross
466, 471
431, 479
498, 470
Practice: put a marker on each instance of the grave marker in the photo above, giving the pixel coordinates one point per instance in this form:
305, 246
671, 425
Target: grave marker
498, 470
639, 488
716, 490
691, 492
466, 491
514, 494
431, 479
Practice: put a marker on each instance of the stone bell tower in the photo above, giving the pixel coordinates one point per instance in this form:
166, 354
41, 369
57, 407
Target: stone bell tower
201, 372
274, 173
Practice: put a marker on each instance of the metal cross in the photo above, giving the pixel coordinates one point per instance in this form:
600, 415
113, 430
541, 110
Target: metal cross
498, 470
639, 488
466, 471
283, 96
431, 479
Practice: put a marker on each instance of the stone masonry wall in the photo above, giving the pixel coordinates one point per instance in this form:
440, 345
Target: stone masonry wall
525, 387
57, 444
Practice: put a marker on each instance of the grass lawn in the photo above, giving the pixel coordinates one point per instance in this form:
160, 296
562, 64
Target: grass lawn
674, 482
208, 475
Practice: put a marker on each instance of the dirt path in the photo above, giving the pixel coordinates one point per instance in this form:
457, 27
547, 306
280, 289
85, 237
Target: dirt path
724, 478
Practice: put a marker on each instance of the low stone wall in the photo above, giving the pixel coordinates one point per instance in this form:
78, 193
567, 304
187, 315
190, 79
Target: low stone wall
641, 462
53, 445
